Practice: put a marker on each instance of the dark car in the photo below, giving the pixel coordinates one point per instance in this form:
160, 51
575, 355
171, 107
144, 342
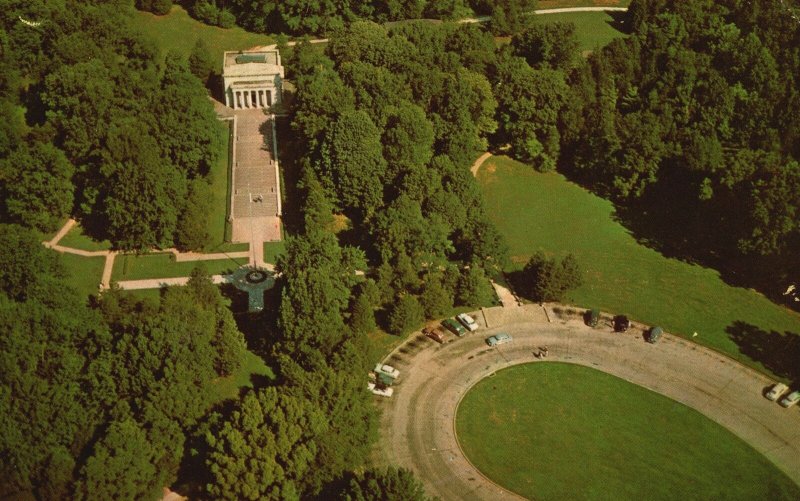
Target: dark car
591, 317
621, 323
454, 327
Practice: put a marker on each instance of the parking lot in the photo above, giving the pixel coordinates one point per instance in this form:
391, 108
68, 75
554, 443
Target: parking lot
418, 432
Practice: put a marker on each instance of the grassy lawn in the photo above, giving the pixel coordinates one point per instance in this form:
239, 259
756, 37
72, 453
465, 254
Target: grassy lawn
228, 387
218, 226
272, 250
561, 431
132, 267
558, 4
84, 273
179, 32
544, 211
593, 29
76, 239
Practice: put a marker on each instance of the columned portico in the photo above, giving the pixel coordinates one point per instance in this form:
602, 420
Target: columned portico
252, 79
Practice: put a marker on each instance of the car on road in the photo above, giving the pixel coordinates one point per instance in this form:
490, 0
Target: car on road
654, 334
776, 391
379, 389
499, 339
791, 399
386, 369
454, 327
591, 317
434, 334
621, 323
467, 321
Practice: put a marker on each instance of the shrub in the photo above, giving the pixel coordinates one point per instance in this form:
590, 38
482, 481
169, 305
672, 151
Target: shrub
546, 279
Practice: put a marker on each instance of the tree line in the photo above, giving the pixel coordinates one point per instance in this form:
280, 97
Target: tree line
692, 120
314, 17
102, 127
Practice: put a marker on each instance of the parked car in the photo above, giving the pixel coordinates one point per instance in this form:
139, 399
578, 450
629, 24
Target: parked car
791, 399
591, 317
621, 323
381, 390
386, 369
454, 327
434, 334
654, 334
499, 339
776, 391
467, 321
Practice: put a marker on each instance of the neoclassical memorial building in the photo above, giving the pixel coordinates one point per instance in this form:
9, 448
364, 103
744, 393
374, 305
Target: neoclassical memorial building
252, 79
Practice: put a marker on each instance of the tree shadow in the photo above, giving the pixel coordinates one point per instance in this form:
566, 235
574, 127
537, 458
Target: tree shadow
779, 353
676, 223
288, 156
618, 21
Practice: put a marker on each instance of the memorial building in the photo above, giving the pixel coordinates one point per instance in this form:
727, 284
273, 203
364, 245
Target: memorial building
252, 79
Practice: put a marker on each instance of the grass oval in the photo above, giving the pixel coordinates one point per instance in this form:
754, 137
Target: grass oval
553, 431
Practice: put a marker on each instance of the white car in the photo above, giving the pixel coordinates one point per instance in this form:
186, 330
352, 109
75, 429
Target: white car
776, 391
791, 399
378, 390
387, 369
468, 322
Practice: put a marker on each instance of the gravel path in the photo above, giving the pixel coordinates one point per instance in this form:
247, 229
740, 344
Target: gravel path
417, 424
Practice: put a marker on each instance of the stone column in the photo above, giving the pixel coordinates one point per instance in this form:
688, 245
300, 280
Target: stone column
260, 98
238, 101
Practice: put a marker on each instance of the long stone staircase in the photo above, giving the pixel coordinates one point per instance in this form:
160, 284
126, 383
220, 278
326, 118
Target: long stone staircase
255, 206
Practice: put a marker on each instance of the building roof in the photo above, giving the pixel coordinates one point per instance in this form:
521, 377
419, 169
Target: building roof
252, 63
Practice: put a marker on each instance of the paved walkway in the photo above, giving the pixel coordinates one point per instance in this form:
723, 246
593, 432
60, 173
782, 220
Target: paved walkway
256, 257
479, 162
486, 19
417, 423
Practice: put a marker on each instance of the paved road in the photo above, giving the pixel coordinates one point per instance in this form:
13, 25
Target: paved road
417, 424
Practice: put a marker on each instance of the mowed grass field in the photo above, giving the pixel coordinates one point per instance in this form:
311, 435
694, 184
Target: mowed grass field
592, 29
84, 273
546, 212
179, 32
132, 267
554, 431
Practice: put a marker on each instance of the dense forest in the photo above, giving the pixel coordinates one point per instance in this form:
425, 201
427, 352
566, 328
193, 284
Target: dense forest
118, 397
307, 17
106, 129
691, 125
688, 123
388, 121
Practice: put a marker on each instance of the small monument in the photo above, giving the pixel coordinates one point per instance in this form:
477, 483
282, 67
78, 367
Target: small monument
253, 79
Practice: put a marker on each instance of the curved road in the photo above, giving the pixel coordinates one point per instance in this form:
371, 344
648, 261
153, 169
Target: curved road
417, 424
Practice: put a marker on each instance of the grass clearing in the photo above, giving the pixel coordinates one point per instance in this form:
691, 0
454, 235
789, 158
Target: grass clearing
84, 273
552, 431
592, 29
559, 4
252, 369
77, 239
133, 267
177, 31
546, 212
